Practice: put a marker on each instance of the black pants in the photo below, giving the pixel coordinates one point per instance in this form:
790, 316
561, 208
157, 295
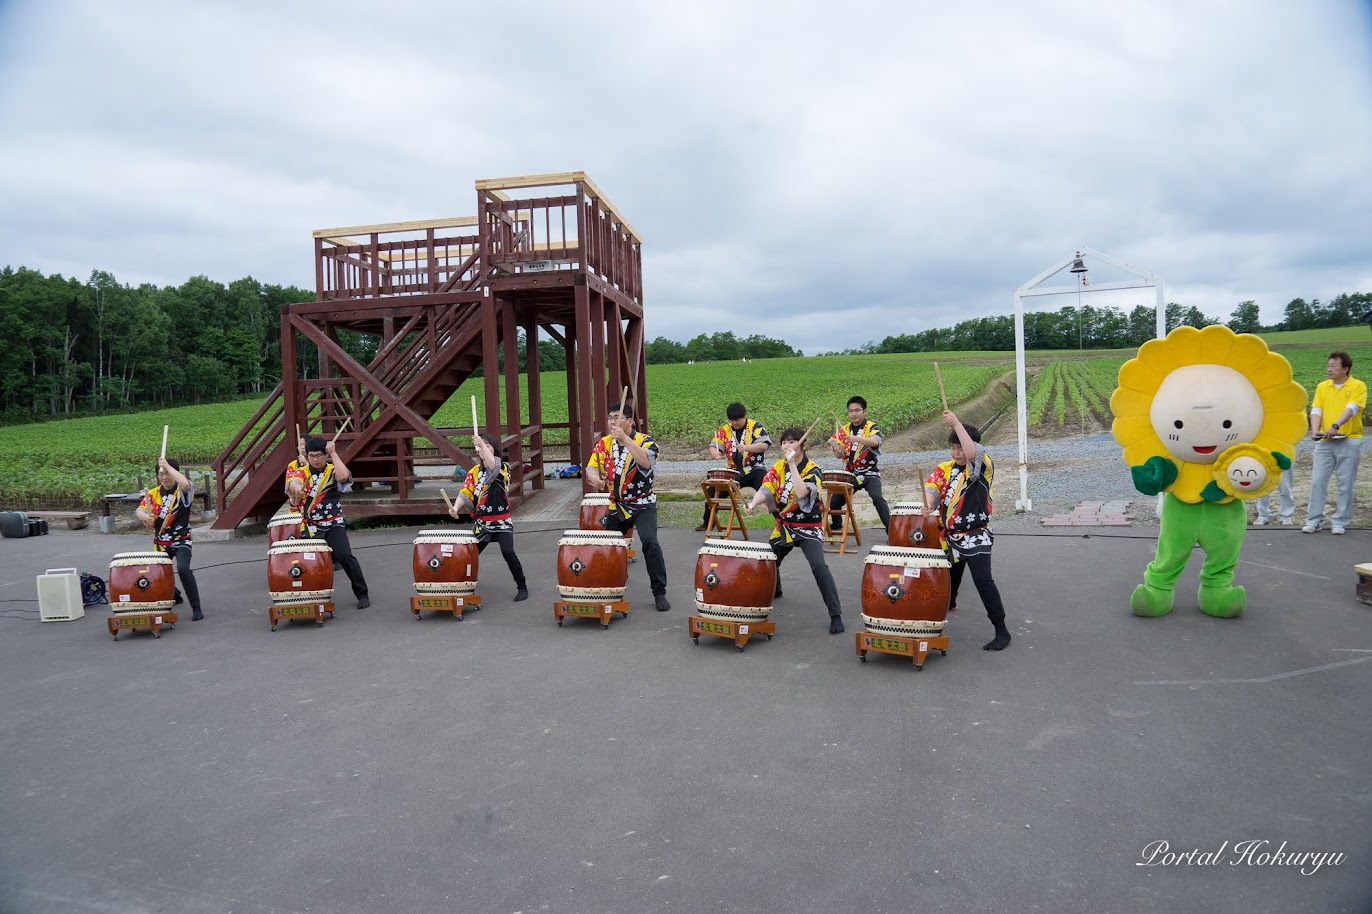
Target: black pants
337, 538
814, 554
506, 540
645, 522
986, 585
182, 556
872, 485
751, 480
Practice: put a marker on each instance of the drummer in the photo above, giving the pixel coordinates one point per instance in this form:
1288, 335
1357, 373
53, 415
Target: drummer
742, 442
623, 462
793, 491
858, 445
960, 491
314, 484
484, 495
166, 512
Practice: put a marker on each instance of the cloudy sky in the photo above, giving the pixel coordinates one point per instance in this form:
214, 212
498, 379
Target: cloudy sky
823, 173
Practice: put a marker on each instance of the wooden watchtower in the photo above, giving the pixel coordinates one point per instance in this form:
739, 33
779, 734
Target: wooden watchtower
442, 297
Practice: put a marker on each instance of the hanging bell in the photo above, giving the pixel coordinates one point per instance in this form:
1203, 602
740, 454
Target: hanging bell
1077, 265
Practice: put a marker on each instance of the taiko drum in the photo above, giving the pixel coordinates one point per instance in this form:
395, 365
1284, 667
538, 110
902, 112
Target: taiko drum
592, 565
912, 528
906, 591
300, 570
722, 474
594, 507
837, 477
735, 581
284, 526
445, 562
141, 581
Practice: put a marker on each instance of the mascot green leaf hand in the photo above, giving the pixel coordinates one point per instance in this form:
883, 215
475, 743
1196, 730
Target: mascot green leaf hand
1207, 419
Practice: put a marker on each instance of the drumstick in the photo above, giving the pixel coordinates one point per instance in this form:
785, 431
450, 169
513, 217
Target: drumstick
446, 501
941, 395
164, 441
810, 429
474, 415
346, 422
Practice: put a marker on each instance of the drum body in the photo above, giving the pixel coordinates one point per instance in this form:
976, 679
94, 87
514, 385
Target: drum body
283, 526
722, 474
838, 477
445, 562
141, 581
906, 591
592, 565
735, 581
300, 571
594, 507
912, 528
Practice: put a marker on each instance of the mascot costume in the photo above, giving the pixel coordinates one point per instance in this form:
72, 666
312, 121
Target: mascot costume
1209, 418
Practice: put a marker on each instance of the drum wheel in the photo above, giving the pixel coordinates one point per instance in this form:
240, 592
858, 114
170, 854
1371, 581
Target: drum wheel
695, 639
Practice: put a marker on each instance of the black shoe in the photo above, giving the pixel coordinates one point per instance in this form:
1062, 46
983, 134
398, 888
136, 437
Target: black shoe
363, 602
197, 616
177, 600
835, 625
660, 601
1000, 642
702, 528
778, 591
521, 595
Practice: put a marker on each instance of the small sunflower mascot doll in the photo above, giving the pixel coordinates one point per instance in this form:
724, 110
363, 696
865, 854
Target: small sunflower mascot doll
1209, 418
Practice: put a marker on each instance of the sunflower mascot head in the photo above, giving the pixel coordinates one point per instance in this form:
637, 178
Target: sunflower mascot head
1208, 417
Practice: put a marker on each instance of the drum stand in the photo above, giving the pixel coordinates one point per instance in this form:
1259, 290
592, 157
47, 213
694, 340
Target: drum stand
153, 621
455, 603
844, 512
289, 611
724, 497
589, 610
738, 632
916, 647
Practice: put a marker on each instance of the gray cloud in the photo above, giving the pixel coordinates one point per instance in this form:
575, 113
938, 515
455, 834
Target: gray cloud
823, 175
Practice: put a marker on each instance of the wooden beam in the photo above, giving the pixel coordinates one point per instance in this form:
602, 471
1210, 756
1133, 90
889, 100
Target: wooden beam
334, 234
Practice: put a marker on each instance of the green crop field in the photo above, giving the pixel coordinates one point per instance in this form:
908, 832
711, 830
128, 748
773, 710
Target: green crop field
76, 461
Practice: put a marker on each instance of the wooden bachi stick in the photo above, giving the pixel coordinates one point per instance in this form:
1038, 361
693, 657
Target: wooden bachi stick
938, 375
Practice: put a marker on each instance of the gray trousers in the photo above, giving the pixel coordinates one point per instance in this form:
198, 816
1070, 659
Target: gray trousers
1338, 459
1286, 502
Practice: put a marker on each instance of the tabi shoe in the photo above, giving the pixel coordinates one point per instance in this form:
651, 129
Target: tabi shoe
1222, 602
1150, 601
521, 595
363, 602
197, 616
835, 625
660, 601
702, 528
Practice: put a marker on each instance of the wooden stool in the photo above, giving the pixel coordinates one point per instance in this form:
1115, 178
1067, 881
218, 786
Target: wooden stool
724, 497
844, 512
1364, 591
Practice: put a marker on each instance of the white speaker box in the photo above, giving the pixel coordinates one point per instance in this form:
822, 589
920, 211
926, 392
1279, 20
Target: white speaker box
59, 595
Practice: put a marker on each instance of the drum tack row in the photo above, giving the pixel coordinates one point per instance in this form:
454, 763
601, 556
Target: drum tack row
905, 588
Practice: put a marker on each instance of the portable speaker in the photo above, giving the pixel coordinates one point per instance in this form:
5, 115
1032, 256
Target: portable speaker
14, 524
59, 595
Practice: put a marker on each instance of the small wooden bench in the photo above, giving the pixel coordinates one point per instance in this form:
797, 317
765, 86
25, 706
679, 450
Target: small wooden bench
76, 520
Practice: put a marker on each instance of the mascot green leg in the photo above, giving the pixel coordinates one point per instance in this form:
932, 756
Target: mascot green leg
1221, 536
1219, 529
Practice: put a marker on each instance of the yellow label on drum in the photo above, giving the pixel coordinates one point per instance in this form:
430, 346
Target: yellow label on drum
715, 628
581, 609
886, 644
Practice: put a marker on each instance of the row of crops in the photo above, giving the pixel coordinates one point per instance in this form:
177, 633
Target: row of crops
1066, 393
78, 460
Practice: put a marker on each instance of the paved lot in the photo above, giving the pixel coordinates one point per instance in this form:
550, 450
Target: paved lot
504, 764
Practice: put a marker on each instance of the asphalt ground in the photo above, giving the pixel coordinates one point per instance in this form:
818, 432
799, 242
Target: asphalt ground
501, 763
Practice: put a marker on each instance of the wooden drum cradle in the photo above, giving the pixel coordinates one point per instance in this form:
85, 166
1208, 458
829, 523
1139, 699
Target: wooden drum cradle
912, 528
142, 591
300, 579
445, 572
592, 575
905, 596
734, 587
595, 506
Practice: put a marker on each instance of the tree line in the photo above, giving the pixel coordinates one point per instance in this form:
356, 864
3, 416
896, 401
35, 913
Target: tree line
1111, 328
75, 347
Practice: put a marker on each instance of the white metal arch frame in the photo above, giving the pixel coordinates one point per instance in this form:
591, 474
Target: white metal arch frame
1033, 287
